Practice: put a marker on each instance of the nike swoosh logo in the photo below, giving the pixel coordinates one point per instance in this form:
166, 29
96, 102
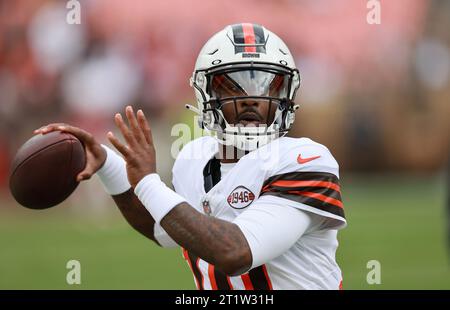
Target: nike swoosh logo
301, 160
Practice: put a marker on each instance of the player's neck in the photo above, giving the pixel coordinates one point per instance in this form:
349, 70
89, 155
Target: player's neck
230, 154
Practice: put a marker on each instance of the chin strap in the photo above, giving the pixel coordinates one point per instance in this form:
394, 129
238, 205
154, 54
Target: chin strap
193, 109
198, 112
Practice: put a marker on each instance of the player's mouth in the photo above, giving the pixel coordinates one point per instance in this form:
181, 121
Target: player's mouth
248, 119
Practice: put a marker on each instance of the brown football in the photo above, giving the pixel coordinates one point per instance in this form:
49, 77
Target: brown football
44, 170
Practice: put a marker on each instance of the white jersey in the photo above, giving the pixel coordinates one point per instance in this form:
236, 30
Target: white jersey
296, 172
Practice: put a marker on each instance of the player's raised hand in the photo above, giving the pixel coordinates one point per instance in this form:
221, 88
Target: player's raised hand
139, 151
95, 154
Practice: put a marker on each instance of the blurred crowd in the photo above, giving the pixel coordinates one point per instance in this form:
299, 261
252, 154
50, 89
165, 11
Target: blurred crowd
377, 95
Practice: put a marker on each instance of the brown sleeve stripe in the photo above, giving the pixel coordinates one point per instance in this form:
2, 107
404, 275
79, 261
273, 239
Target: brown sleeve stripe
312, 202
260, 279
303, 176
222, 280
324, 198
324, 194
311, 183
316, 189
219, 280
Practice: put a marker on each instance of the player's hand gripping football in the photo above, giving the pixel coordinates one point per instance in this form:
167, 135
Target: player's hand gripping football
139, 151
95, 154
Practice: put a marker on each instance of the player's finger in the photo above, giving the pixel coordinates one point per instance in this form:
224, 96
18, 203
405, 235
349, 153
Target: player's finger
118, 145
138, 135
39, 130
81, 134
145, 127
126, 133
48, 128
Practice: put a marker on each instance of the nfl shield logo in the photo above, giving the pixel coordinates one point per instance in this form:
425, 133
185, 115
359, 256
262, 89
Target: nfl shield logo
206, 207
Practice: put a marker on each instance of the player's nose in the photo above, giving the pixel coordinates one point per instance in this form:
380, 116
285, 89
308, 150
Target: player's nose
249, 103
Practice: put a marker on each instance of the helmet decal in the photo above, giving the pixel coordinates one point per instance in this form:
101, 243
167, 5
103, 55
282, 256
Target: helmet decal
248, 38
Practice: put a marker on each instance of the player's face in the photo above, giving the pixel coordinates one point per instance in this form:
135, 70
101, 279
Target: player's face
246, 110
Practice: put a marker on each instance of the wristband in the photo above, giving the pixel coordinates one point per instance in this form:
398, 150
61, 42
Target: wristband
113, 174
156, 197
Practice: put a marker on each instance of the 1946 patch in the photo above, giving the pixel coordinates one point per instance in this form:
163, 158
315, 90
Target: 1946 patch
240, 198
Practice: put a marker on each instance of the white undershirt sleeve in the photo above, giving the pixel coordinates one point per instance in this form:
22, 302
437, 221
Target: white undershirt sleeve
272, 228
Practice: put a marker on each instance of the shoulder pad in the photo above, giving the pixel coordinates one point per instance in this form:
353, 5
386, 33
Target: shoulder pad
303, 155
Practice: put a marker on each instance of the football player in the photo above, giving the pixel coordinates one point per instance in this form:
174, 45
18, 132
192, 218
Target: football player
251, 208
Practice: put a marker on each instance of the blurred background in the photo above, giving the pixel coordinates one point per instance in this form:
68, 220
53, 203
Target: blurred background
376, 95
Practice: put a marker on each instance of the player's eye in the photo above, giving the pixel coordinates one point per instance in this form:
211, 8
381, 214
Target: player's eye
223, 86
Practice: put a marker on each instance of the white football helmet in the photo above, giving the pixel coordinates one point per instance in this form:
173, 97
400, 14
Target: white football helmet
252, 63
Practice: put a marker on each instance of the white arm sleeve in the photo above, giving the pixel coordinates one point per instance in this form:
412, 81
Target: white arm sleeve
271, 227
163, 238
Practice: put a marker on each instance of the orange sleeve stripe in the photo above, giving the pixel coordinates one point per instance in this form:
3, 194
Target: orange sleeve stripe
321, 197
212, 278
247, 282
185, 254
293, 183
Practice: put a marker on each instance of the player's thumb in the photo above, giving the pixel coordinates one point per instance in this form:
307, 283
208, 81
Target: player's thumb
86, 174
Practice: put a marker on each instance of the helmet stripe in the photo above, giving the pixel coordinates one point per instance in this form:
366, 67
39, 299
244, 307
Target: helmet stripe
249, 38
259, 38
238, 38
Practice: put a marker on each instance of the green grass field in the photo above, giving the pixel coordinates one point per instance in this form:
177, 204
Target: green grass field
399, 221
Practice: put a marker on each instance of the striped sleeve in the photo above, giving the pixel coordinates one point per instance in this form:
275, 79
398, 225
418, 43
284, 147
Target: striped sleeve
319, 190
